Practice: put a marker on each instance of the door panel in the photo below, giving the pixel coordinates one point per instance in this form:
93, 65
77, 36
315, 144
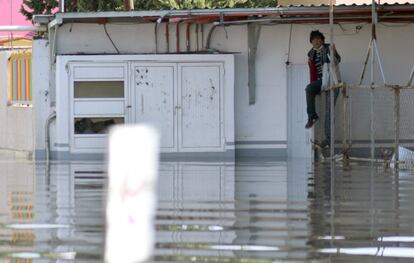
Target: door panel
299, 145
154, 99
200, 107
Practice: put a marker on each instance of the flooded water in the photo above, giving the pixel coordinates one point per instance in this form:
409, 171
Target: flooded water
216, 212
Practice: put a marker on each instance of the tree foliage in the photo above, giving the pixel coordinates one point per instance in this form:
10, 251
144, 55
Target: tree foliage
36, 7
32, 7
201, 4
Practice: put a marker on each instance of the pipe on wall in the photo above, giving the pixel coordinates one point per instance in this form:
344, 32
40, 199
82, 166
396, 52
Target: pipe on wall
188, 36
167, 36
177, 37
210, 35
49, 121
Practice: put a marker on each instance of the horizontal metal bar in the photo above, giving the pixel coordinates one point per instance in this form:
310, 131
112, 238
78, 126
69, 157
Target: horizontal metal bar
379, 87
13, 28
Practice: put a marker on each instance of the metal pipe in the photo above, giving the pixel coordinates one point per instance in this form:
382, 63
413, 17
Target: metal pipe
156, 37
237, 12
188, 37
344, 124
379, 86
62, 6
177, 37
379, 60
349, 99
361, 78
397, 125
202, 37
198, 36
49, 120
319, 19
209, 36
12, 28
331, 93
372, 127
167, 36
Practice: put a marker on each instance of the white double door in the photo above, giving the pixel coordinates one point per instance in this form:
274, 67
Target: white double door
184, 101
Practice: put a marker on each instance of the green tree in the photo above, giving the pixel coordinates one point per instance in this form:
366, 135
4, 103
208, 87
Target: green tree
201, 4
93, 5
33, 7
36, 7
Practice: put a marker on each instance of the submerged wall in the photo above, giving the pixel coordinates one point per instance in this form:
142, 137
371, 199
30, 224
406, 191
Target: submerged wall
264, 124
17, 130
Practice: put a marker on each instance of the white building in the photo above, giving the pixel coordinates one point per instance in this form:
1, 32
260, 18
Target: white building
212, 82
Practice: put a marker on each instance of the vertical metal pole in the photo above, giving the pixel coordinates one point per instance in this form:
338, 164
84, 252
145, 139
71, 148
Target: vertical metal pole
156, 37
372, 130
62, 6
397, 124
349, 99
332, 113
344, 123
167, 36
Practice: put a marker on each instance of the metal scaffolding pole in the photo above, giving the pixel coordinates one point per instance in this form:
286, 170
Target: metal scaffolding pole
332, 91
344, 124
397, 124
372, 124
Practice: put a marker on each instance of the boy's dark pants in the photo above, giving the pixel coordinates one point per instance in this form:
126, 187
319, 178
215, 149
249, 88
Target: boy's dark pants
313, 89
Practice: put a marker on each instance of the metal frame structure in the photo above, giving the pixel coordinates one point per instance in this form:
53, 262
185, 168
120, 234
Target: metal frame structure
346, 120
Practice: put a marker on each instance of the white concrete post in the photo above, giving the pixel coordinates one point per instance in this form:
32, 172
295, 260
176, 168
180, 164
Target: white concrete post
131, 207
41, 77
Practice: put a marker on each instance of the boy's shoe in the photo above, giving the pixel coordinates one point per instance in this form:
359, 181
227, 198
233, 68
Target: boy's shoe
311, 122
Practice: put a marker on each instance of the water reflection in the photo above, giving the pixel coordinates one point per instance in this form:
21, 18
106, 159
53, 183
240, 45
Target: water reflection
216, 212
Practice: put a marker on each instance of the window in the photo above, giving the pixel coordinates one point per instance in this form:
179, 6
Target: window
20, 77
98, 89
95, 125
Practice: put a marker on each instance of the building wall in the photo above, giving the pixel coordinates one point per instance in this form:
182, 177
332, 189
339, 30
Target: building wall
17, 123
264, 124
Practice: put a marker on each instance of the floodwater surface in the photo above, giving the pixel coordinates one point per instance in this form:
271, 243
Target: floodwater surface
216, 212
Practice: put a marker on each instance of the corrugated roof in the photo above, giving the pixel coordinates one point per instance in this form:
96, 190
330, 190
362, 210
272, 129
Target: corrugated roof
310, 3
396, 12
347, 5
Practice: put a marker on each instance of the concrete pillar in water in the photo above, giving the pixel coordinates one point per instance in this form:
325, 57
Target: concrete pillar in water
131, 205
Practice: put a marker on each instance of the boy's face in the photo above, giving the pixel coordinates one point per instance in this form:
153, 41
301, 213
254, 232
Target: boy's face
317, 42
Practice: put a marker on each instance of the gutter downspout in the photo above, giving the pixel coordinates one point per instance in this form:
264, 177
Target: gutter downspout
177, 37
167, 36
156, 37
209, 36
49, 121
188, 37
